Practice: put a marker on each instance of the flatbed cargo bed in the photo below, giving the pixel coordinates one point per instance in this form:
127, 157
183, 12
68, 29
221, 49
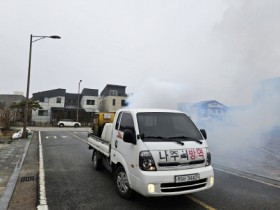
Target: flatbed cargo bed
99, 144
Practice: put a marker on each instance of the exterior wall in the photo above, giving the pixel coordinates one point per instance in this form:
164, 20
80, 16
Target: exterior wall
216, 110
89, 108
52, 102
106, 103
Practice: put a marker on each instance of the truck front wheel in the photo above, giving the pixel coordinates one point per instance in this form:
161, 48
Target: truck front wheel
122, 184
97, 160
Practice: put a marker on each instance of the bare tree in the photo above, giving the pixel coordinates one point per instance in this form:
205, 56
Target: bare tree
6, 116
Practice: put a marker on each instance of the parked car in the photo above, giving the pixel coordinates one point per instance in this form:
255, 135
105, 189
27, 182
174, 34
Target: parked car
68, 123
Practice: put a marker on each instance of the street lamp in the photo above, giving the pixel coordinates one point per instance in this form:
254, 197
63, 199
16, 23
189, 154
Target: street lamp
37, 38
77, 117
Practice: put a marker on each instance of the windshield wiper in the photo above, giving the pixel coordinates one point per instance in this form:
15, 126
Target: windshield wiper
186, 138
164, 138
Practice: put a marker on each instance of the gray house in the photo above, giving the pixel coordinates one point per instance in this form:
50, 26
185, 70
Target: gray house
58, 104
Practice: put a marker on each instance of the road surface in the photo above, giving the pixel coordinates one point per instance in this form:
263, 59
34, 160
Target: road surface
72, 183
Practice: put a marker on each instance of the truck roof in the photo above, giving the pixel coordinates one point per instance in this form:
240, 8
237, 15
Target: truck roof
138, 110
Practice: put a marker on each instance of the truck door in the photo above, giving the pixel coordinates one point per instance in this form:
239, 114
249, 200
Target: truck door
127, 151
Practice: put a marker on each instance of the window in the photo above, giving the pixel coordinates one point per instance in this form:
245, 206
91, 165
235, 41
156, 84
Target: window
58, 100
124, 103
166, 125
114, 102
126, 122
46, 100
90, 102
113, 93
118, 122
43, 113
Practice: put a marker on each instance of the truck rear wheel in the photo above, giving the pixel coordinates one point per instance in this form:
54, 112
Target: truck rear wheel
97, 160
121, 182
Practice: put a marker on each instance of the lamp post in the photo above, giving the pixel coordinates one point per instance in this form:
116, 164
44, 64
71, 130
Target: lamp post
37, 38
77, 117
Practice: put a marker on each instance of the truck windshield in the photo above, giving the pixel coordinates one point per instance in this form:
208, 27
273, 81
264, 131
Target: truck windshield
160, 126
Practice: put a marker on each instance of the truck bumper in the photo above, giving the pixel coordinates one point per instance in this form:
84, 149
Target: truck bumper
162, 183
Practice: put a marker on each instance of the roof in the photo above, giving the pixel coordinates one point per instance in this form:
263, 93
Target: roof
204, 103
49, 93
109, 87
149, 110
89, 92
14, 98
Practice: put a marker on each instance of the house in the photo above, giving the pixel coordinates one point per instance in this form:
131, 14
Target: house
112, 98
204, 112
51, 101
210, 110
6, 113
58, 104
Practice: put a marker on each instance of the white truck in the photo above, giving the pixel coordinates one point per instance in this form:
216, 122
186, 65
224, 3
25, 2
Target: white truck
154, 152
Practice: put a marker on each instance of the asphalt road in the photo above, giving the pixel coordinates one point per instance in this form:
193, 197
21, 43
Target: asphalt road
72, 183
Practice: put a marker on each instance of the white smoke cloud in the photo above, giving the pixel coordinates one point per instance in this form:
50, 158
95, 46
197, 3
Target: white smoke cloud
155, 93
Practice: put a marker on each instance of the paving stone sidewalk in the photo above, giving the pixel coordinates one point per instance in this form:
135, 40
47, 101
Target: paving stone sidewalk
11, 154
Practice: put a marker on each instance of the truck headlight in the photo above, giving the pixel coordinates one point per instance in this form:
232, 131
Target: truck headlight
146, 161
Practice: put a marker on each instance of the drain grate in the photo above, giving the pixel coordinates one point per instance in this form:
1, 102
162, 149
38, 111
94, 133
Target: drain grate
27, 179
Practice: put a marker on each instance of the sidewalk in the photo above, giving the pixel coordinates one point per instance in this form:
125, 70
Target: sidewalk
12, 154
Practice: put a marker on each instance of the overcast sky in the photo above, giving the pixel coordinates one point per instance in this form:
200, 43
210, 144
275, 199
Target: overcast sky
190, 49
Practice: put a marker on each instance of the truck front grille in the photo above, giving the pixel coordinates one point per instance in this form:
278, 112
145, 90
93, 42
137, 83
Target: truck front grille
181, 164
183, 186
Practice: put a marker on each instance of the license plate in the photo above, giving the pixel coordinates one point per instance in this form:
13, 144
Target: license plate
187, 178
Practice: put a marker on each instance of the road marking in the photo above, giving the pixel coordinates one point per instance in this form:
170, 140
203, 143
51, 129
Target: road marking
206, 206
270, 152
43, 199
78, 137
236, 174
64, 137
52, 137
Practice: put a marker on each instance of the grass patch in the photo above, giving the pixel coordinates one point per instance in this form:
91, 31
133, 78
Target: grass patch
7, 133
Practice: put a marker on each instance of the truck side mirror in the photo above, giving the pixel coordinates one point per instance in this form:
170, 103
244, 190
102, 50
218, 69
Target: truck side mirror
204, 134
129, 136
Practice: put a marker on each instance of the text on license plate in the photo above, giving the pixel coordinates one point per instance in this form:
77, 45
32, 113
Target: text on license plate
187, 178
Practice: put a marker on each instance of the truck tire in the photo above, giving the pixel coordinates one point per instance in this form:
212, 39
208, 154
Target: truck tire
97, 160
121, 182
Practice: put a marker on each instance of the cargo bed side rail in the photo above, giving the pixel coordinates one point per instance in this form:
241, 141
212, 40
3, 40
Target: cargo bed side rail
99, 144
